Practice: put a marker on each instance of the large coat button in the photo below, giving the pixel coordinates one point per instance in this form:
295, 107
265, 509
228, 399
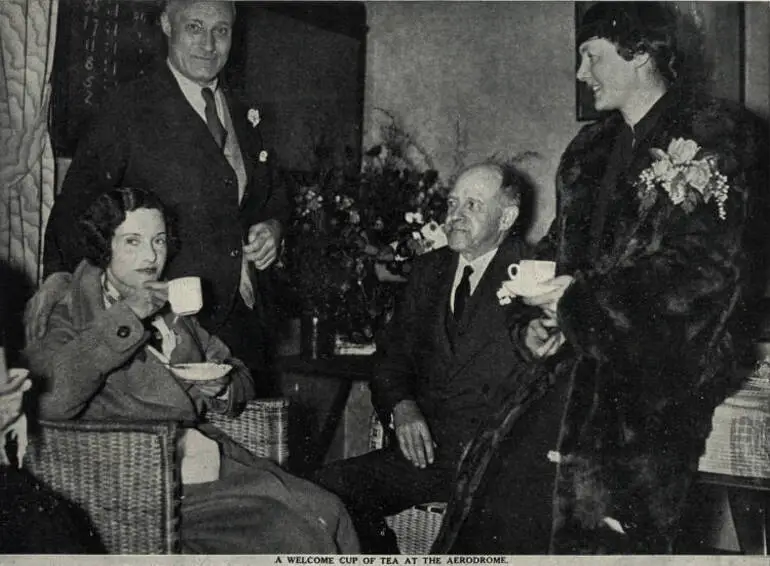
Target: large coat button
123, 331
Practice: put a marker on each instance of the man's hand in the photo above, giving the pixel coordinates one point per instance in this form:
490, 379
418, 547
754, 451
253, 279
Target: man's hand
41, 305
413, 434
543, 337
147, 300
262, 243
549, 301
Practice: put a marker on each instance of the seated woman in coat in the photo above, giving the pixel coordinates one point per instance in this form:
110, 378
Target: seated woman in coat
98, 363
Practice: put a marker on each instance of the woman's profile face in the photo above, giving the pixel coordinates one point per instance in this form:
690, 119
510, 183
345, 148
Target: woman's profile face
611, 78
139, 248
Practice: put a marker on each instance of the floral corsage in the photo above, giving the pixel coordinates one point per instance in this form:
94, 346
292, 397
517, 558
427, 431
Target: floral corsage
685, 179
253, 117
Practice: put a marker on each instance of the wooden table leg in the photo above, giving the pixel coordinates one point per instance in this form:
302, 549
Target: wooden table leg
315, 406
750, 517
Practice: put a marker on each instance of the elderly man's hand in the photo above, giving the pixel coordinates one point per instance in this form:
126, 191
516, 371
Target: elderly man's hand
262, 243
41, 305
413, 434
549, 301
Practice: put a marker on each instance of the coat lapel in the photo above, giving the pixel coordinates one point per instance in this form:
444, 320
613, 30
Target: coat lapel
579, 178
485, 320
438, 311
185, 127
251, 146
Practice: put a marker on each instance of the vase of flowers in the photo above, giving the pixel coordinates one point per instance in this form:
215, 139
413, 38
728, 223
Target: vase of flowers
354, 234
316, 337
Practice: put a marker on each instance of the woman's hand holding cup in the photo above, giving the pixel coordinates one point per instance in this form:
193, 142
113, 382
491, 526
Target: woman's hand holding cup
145, 301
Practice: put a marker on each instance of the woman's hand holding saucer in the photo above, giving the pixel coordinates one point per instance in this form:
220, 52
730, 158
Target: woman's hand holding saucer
214, 387
543, 337
549, 300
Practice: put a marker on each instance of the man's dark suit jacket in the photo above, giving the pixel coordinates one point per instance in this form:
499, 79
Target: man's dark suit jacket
458, 376
149, 136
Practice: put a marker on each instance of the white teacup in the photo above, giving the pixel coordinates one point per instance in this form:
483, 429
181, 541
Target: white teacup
528, 275
185, 295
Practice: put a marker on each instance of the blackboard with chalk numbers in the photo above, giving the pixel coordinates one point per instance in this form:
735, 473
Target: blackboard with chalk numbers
99, 44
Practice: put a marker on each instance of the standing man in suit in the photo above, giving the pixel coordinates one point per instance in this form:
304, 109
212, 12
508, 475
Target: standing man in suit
449, 361
179, 132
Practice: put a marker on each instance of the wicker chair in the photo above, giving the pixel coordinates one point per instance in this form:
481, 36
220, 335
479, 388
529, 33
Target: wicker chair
417, 527
125, 475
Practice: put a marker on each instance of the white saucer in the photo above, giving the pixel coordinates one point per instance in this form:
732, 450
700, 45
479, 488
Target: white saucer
528, 289
200, 371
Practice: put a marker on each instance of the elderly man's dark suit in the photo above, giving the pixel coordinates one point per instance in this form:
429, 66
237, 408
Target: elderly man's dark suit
149, 136
457, 371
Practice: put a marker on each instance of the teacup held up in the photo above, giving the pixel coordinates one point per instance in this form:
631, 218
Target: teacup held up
527, 275
185, 295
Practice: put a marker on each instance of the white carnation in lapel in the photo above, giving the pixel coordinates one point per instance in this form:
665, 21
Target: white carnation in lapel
263, 156
686, 180
253, 117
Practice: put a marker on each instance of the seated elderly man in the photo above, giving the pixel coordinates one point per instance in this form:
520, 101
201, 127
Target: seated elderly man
449, 361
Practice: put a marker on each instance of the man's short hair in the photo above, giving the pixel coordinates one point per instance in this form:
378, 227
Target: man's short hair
99, 222
516, 189
637, 27
171, 6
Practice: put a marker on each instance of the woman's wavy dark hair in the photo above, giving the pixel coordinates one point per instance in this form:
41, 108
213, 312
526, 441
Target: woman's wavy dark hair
637, 27
99, 222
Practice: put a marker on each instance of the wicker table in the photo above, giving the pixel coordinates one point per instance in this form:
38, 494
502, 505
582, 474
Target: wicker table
317, 391
737, 458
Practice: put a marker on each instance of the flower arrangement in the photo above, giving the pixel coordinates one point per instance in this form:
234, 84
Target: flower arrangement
354, 234
686, 180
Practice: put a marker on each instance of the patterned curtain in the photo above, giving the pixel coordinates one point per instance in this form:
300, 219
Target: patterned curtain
27, 38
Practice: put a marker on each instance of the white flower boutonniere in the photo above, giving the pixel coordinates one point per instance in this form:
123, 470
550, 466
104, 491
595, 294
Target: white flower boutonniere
434, 235
685, 179
262, 156
253, 117
413, 217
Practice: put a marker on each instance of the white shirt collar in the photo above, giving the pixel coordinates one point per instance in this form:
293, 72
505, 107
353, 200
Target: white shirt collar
192, 91
186, 84
479, 266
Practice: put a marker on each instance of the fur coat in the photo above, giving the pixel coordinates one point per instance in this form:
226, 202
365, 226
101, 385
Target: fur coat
653, 319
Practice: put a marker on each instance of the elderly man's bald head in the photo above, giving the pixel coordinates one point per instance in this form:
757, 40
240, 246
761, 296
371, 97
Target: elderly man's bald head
482, 208
173, 5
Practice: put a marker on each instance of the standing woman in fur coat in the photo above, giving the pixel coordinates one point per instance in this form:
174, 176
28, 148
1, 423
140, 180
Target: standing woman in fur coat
655, 247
